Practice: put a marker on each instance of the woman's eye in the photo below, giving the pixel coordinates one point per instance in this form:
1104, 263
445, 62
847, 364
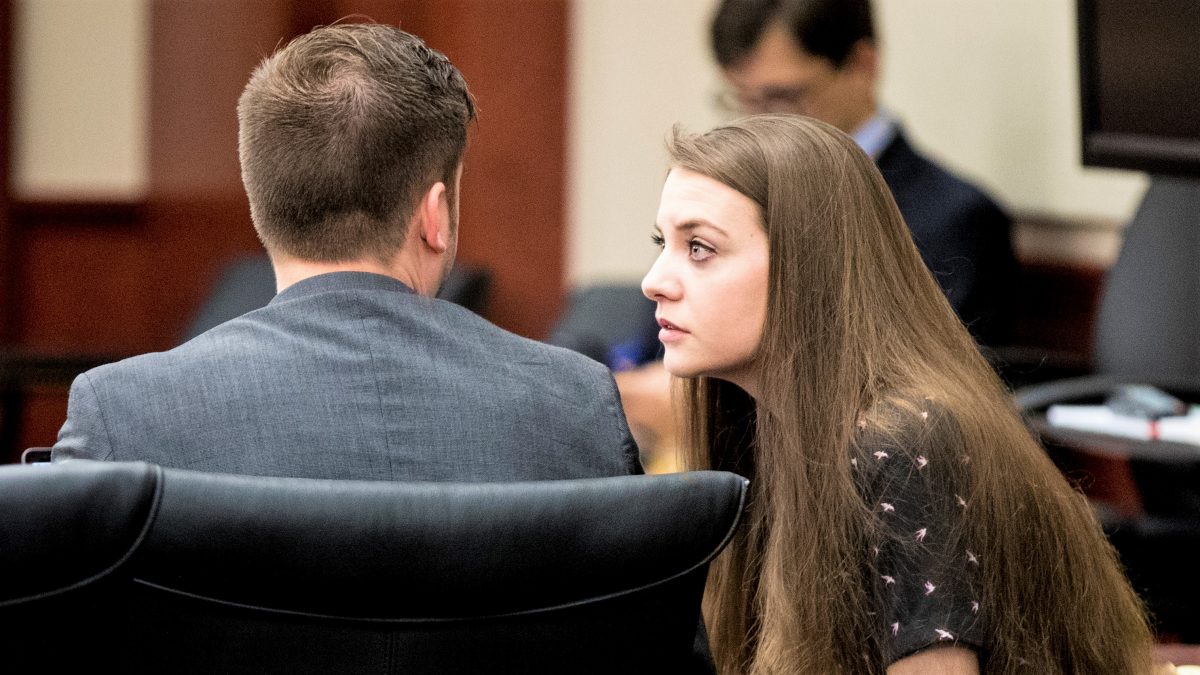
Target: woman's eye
699, 252
658, 240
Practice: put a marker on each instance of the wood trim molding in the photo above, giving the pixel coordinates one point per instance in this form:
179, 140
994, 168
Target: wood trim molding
27, 214
1058, 221
1074, 241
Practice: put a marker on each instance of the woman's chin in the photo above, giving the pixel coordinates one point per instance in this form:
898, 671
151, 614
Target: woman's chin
680, 367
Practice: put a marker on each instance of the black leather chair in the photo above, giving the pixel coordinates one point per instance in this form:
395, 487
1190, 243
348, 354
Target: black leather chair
137, 568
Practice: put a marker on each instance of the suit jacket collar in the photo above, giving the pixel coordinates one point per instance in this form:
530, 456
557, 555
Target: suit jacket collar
898, 156
341, 281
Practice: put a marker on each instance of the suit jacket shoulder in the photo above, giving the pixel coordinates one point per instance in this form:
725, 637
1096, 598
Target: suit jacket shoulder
352, 377
964, 237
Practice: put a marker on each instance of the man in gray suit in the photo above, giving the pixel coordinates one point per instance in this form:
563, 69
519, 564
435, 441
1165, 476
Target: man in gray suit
351, 141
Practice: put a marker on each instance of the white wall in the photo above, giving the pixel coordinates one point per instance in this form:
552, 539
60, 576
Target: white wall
80, 99
987, 87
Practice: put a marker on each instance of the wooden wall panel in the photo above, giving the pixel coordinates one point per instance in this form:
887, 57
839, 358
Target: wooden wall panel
82, 288
118, 281
44, 411
513, 54
202, 54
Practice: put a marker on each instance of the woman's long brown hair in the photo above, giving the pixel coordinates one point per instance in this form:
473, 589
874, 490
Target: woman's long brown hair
857, 329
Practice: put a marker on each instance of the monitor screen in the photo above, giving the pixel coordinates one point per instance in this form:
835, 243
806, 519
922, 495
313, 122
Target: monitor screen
1139, 64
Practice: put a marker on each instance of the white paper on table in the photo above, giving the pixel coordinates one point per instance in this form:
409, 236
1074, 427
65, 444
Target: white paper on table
1102, 420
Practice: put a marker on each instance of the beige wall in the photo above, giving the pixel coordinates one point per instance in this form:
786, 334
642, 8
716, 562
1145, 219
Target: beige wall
80, 91
987, 87
637, 68
991, 89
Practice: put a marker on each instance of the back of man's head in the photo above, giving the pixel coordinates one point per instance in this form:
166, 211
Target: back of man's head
823, 28
341, 132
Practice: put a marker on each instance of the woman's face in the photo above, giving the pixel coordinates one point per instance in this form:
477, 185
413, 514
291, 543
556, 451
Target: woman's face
710, 281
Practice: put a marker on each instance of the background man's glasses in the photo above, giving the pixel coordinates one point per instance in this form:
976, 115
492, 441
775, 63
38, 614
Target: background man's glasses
776, 99
768, 101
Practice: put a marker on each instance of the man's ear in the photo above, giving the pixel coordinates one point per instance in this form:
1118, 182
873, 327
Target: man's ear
864, 58
433, 218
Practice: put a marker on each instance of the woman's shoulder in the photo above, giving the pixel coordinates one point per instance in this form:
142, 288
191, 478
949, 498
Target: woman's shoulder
909, 471
910, 446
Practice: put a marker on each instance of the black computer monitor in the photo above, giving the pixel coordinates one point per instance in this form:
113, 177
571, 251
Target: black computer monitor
1139, 63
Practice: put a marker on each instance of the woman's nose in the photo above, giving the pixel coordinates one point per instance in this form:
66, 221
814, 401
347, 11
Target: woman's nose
659, 284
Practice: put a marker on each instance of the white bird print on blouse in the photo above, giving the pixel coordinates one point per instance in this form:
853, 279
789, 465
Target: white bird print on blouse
888, 581
961, 502
943, 634
975, 606
920, 534
929, 588
972, 559
887, 508
921, 461
895, 628
880, 455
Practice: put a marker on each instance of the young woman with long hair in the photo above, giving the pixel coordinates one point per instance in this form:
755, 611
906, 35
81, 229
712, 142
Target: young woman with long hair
902, 519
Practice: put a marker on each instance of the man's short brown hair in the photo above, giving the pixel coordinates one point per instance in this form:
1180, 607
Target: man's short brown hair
341, 131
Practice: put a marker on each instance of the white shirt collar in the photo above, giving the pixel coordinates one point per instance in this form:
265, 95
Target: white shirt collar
876, 133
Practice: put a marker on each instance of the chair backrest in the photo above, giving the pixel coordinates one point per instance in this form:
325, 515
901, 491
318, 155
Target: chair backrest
243, 284
610, 323
247, 283
165, 570
1148, 324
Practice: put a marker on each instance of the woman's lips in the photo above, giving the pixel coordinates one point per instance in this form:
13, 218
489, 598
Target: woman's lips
669, 332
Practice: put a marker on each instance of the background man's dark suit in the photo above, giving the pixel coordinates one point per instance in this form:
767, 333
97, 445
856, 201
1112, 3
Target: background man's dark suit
962, 234
352, 375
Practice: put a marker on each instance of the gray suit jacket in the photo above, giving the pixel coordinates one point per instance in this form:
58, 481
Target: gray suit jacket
353, 376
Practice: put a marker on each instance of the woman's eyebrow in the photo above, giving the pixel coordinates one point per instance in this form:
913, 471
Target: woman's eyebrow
689, 225
700, 222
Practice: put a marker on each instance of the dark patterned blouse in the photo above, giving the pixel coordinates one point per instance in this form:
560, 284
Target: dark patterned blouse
924, 572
